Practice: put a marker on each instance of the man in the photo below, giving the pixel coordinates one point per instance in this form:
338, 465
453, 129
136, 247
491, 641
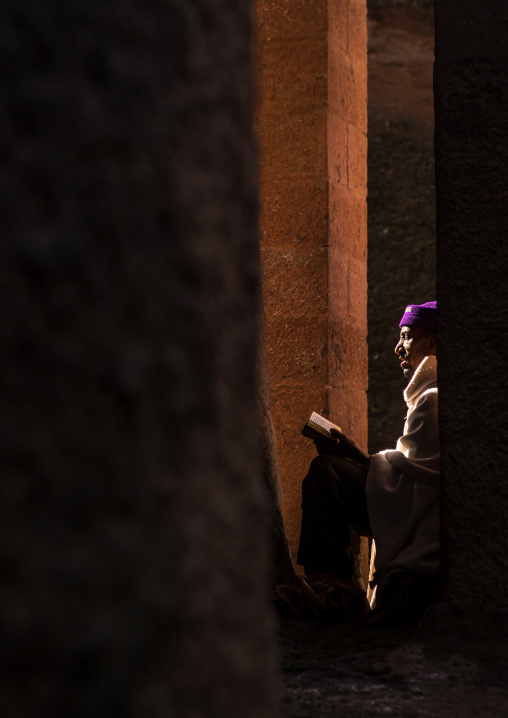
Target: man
392, 496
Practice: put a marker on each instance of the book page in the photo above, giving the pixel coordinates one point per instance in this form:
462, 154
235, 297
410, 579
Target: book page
322, 422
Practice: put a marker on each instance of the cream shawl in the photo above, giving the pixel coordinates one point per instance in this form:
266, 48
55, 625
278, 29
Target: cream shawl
403, 485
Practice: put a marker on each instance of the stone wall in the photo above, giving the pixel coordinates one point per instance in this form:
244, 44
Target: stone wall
134, 531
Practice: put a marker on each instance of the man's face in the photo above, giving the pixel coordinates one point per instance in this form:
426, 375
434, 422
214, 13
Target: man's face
413, 346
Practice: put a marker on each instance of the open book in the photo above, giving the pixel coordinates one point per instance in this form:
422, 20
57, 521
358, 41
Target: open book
317, 427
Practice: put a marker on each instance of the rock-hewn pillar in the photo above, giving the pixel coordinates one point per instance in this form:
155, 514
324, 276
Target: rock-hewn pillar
312, 89
292, 91
471, 93
134, 532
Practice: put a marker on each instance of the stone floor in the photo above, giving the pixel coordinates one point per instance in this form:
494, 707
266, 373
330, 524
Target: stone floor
356, 672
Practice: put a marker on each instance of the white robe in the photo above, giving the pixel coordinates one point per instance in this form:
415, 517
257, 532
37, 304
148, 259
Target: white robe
403, 486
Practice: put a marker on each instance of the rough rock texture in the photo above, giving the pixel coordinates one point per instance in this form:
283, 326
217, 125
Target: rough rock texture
401, 200
471, 92
347, 217
291, 121
134, 543
311, 122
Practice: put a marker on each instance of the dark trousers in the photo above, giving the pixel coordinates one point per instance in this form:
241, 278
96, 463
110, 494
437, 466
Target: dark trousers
333, 501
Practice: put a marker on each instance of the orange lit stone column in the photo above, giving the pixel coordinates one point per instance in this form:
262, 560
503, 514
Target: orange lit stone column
347, 225
311, 126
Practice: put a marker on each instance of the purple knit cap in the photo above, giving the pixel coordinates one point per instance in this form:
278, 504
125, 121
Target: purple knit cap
420, 315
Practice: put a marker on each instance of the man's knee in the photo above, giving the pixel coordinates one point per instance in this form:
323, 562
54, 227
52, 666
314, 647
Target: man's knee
326, 467
318, 478
319, 467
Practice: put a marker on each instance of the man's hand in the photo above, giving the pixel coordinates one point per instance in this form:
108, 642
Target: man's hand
343, 446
